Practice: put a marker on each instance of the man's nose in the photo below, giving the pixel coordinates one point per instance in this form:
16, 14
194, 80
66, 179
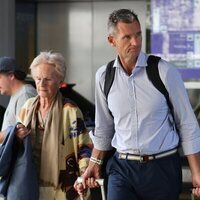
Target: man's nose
134, 41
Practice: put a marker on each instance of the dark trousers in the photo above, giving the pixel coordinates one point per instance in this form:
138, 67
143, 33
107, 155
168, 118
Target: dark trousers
159, 179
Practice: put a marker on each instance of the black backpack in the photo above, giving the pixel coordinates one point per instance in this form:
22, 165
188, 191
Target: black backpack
152, 73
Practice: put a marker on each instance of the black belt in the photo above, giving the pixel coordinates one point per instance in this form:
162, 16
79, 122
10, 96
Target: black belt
146, 158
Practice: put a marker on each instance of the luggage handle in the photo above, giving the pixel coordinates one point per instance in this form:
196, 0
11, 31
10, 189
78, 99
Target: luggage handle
101, 184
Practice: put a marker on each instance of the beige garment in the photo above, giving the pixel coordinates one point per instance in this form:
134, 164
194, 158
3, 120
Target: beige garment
49, 170
49, 193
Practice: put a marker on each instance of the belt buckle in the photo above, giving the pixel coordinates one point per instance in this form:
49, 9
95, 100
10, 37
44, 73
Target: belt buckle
144, 159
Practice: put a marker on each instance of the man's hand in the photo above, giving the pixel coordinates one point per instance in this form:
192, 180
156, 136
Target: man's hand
92, 172
196, 191
194, 163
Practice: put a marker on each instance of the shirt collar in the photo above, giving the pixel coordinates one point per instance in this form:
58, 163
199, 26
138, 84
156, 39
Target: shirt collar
141, 61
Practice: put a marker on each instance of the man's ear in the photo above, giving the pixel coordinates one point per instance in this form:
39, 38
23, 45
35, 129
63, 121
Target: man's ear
111, 40
11, 76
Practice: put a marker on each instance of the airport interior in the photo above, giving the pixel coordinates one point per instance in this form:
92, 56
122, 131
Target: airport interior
77, 29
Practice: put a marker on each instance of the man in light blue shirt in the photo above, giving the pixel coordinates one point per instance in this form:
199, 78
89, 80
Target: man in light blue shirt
146, 164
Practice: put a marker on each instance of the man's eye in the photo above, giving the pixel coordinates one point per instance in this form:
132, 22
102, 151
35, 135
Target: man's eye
139, 34
127, 37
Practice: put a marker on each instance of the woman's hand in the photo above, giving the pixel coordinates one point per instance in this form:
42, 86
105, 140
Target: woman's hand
22, 131
79, 188
196, 192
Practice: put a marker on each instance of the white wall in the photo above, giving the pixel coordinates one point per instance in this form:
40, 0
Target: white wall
79, 31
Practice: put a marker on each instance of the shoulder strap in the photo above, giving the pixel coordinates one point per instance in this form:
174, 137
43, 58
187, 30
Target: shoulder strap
154, 77
109, 77
152, 73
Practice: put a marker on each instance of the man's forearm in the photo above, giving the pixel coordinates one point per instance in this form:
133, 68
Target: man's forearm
194, 163
99, 154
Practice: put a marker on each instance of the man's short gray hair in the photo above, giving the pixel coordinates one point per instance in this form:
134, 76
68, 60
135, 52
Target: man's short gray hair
121, 15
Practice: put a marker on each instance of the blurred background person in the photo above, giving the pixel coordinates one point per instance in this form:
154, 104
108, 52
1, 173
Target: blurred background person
12, 83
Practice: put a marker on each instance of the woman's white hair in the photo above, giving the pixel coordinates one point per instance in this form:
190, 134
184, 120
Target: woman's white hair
49, 57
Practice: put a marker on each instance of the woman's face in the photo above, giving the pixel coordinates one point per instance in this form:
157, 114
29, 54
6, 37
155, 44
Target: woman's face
47, 81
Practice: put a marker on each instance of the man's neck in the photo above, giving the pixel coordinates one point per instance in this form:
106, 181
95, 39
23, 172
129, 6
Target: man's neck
128, 64
17, 85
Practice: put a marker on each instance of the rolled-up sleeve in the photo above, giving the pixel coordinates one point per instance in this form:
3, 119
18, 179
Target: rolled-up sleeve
186, 122
104, 125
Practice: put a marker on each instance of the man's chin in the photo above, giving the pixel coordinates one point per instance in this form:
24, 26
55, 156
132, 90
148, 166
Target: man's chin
2, 93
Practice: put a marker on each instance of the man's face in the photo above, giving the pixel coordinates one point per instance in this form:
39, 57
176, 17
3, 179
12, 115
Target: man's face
127, 40
5, 84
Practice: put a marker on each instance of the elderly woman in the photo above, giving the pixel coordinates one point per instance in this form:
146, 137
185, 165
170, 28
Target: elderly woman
61, 144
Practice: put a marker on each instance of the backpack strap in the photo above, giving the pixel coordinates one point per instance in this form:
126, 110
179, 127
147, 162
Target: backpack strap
109, 77
152, 73
154, 77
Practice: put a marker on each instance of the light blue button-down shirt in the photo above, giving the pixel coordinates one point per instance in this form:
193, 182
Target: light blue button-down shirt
142, 121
